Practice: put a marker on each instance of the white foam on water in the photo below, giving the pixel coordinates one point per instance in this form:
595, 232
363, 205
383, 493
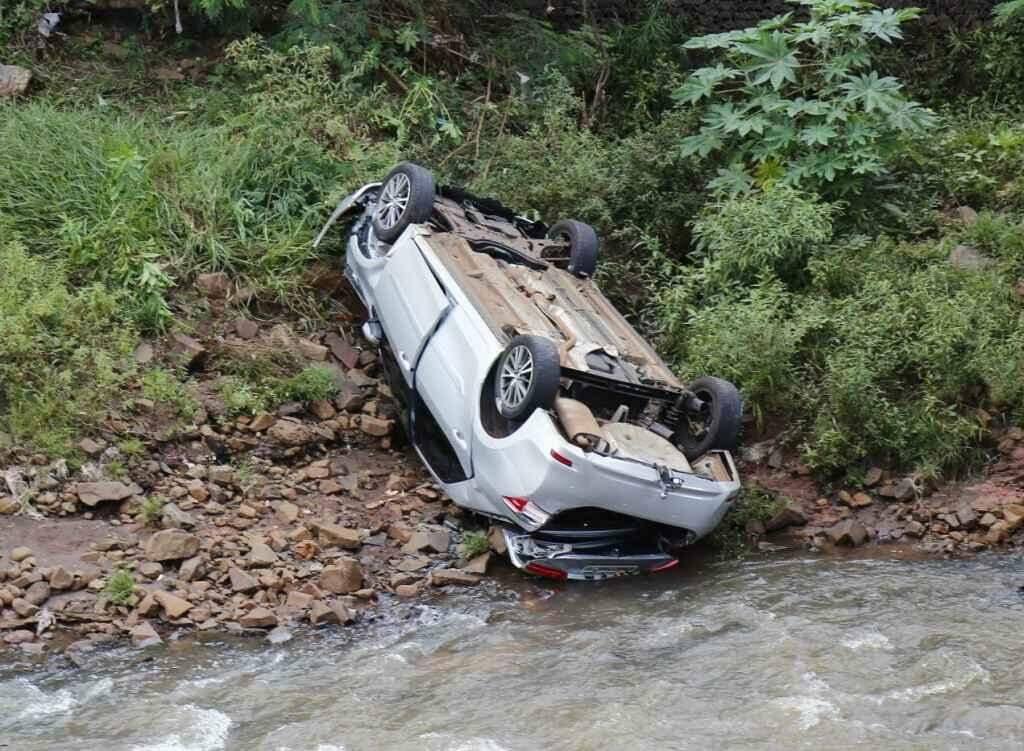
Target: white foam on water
207, 731
46, 704
811, 707
467, 744
973, 672
867, 640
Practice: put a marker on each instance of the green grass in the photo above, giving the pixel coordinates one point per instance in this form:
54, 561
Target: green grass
152, 510
474, 543
132, 447
262, 393
753, 504
120, 587
164, 389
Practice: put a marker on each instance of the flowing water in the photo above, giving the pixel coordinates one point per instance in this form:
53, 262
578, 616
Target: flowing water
785, 653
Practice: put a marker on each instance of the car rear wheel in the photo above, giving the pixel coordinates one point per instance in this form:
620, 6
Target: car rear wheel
527, 378
583, 245
406, 197
717, 424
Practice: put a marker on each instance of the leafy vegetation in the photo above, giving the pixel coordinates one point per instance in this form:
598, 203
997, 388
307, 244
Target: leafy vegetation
752, 506
152, 510
260, 394
120, 587
474, 543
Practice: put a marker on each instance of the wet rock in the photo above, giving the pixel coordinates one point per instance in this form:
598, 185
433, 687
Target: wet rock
299, 600
291, 433
216, 285
174, 607
261, 556
342, 613
60, 579
151, 569
24, 608
849, 532
479, 564
344, 577
14, 80
192, 569
451, 576
376, 426
343, 537
496, 538
21, 553
280, 635
246, 329
8, 505
171, 545
20, 636
407, 590
191, 352
261, 422
242, 582
787, 517
172, 517
91, 493
258, 618
436, 540
905, 489
914, 529
144, 635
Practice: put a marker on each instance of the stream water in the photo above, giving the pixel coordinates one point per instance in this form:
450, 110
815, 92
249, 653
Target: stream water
785, 653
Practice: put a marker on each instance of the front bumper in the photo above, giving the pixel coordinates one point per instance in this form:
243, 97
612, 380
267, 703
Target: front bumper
583, 562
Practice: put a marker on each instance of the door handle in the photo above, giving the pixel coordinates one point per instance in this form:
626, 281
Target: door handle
459, 437
404, 358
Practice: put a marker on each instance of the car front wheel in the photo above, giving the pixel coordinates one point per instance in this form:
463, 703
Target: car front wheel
716, 425
527, 378
406, 197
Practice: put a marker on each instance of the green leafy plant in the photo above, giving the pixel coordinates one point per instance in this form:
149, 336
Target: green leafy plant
474, 543
1008, 11
163, 387
120, 587
798, 102
152, 510
132, 447
753, 505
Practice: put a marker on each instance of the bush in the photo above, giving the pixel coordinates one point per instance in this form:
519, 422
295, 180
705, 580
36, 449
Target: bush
63, 351
165, 390
120, 587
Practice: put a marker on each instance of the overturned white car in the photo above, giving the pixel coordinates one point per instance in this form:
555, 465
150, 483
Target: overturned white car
527, 395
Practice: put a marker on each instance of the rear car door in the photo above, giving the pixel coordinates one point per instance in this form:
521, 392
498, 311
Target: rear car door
409, 303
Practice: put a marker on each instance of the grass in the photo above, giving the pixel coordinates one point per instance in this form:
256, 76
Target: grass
152, 510
115, 468
132, 447
474, 543
753, 504
163, 388
263, 392
120, 587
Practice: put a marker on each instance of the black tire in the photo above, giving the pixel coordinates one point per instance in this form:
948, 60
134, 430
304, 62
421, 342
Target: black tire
533, 363
583, 246
410, 201
718, 425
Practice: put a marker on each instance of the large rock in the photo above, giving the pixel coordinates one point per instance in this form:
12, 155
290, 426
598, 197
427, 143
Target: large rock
787, 517
14, 80
850, 532
343, 578
258, 618
343, 537
173, 517
174, 607
291, 433
216, 285
447, 576
242, 582
145, 635
171, 545
191, 352
261, 555
38, 593
91, 493
435, 540
192, 569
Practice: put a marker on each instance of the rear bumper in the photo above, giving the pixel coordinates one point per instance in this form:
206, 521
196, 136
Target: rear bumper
564, 560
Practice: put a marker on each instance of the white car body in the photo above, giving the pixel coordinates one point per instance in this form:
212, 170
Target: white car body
445, 349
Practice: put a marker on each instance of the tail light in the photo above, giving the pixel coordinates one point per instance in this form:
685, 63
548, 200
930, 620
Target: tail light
561, 459
665, 566
546, 571
516, 504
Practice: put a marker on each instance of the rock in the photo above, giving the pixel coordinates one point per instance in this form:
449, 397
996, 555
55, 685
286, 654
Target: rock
174, 607
291, 433
988, 519
20, 554
192, 569
279, 635
144, 635
38, 593
305, 550
60, 579
342, 613
91, 493
914, 529
967, 518
287, 512
21, 636
246, 329
433, 540
144, 354
343, 537
312, 350
345, 353
414, 564
997, 534
261, 556
299, 600
216, 285
171, 545
89, 447
150, 569
776, 459
344, 577
446, 576
968, 258
872, 477
861, 500
479, 564
966, 214
787, 517
24, 608
407, 590
320, 613
905, 489
172, 517
188, 349
322, 409
496, 538
375, 426
8, 505
849, 532
262, 422
14, 80
258, 618
242, 582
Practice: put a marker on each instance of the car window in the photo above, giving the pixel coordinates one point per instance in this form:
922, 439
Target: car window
434, 445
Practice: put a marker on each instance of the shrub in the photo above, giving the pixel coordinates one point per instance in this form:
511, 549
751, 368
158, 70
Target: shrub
313, 383
752, 505
164, 389
152, 510
799, 102
120, 587
474, 543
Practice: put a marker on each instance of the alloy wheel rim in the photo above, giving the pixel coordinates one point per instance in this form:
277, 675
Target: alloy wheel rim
394, 199
516, 376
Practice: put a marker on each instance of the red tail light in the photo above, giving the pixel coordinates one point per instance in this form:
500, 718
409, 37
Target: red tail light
665, 566
516, 504
541, 570
561, 459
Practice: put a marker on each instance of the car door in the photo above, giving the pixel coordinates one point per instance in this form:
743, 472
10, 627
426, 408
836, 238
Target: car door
409, 303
